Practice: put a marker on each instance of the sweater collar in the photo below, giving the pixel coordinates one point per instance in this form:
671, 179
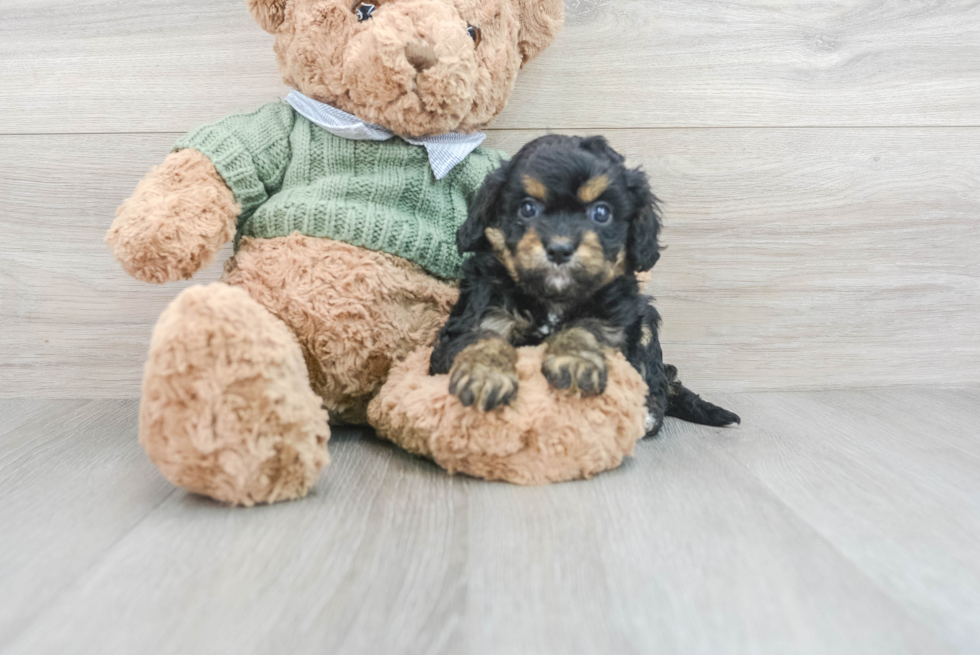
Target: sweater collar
445, 151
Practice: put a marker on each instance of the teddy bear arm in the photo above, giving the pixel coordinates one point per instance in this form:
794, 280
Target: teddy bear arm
176, 221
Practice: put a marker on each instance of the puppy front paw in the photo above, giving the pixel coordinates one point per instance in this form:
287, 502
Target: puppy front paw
585, 371
484, 375
575, 361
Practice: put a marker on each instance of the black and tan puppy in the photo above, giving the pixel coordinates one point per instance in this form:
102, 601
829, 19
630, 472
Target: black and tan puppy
558, 234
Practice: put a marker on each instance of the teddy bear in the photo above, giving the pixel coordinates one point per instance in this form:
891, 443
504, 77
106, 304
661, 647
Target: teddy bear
343, 202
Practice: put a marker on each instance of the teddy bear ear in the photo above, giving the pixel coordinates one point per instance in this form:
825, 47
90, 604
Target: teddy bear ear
540, 22
268, 14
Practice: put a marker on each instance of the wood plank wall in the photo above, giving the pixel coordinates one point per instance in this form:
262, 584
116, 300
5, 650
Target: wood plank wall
819, 163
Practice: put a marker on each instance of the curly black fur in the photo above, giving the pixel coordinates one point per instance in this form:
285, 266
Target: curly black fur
557, 235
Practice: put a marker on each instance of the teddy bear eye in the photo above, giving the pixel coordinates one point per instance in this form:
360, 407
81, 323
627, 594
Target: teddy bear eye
475, 33
364, 10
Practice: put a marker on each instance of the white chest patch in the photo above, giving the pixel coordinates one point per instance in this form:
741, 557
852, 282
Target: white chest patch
547, 328
650, 422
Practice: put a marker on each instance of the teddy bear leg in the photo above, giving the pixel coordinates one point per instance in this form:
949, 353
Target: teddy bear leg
227, 409
355, 312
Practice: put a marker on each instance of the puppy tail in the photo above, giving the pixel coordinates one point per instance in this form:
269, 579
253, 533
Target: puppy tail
684, 404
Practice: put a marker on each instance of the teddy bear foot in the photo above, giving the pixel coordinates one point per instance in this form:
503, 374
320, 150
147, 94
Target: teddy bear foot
227, 407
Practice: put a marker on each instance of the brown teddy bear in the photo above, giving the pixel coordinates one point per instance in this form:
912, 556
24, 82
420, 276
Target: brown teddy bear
343, 202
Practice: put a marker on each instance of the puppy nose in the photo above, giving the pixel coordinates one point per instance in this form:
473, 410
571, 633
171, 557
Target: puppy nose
421, 56
560, 251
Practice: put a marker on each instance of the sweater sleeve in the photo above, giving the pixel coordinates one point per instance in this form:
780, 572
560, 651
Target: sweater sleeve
250, 151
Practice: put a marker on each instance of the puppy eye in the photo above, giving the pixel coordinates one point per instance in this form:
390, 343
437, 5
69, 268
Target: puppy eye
364, 10
601, 213
529, 209
475, 33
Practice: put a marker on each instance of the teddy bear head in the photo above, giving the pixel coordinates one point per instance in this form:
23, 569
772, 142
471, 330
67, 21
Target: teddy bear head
416, 67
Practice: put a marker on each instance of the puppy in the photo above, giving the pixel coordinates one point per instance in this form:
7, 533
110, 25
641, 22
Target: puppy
558, 235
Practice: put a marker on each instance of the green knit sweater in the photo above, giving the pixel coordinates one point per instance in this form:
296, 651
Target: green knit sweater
291, 175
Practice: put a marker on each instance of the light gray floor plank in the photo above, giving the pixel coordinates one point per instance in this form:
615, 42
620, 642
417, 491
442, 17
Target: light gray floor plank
73, 481
795, 258
675, 553
14, 412
291, 578
890, 478
927, 420
165, 65
36, 422
827, 523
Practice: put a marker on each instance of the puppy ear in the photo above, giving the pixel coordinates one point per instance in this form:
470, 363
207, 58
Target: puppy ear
599, 147
483, 209
643, 248
269, 14
540, 21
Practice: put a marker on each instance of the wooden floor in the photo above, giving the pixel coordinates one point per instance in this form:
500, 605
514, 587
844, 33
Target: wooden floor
836, 522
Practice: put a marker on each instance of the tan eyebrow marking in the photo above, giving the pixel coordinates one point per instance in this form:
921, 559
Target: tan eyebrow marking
535, 188
591, 190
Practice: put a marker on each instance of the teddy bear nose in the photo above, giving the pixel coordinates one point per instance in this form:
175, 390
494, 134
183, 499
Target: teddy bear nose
421, 56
